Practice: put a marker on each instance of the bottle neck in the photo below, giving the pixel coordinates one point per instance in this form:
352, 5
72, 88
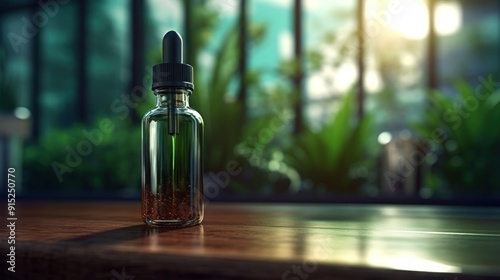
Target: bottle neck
172, 97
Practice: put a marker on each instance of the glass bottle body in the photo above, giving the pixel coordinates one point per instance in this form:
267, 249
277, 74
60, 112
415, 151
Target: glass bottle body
172, 171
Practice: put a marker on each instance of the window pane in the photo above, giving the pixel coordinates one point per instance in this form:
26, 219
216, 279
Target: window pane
16, 54
395, 39
276, 16
109, 45
224, 27
157, 24
469, 40
395, 44
468, 58
331, 56
58, 70
274, 49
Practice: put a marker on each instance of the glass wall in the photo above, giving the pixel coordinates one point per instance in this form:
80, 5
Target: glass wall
58, 70
314, 100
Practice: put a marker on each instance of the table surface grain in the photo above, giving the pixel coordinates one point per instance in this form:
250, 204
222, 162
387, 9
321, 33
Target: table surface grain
107, 240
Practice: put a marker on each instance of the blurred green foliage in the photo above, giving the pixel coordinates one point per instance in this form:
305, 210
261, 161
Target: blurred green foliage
115, 163
257, 133
223, 116
229, 123
461, 129
338, 157
112, 165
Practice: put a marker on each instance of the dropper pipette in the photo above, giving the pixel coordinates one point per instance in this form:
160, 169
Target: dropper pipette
172, 53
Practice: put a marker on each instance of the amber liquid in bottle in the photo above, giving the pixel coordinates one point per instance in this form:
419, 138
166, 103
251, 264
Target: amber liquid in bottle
172, 172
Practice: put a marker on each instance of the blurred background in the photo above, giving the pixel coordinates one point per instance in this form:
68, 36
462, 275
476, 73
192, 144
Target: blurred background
303, 100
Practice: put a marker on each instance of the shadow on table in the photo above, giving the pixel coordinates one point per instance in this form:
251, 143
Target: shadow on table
121, 235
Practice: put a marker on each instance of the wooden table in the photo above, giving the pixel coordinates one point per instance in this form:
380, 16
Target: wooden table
107, 240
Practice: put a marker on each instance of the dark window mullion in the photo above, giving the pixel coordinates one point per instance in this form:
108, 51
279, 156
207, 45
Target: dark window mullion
361, 59
36, 80
137, 64
81, 54
242, 65
431, 49
298, 75
189, 47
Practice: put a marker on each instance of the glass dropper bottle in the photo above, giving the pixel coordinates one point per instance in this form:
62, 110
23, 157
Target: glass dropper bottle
172, 145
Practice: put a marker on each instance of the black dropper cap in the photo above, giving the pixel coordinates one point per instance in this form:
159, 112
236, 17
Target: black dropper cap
172, 72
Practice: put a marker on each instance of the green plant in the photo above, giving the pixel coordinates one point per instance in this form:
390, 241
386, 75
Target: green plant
112, 165
261, 150
224, 117
229, 123
330, 157
467, 146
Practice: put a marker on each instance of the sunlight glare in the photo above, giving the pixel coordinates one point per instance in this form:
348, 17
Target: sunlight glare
448, 18
285, 45
22, 113
384, 138
413, 22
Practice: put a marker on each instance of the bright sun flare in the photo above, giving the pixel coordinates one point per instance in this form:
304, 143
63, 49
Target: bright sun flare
413, 21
